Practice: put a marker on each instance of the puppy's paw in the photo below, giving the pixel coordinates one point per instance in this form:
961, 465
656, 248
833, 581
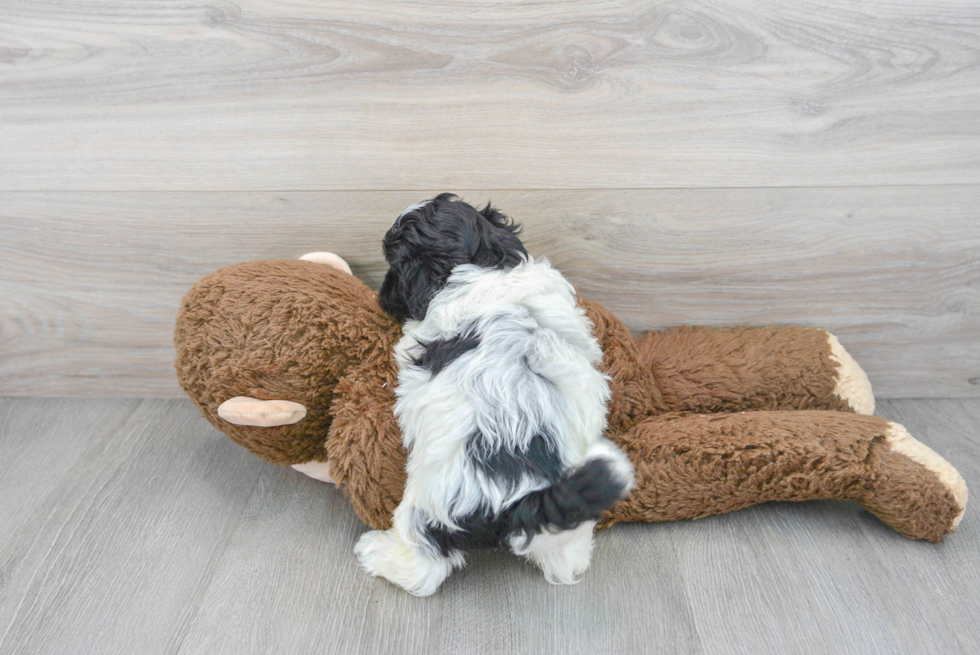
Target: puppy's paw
563, 557
383, 553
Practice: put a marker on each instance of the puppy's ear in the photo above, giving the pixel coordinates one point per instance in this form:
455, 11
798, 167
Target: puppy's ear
421, 283
407, 291
498, 245
499, 219
392, 298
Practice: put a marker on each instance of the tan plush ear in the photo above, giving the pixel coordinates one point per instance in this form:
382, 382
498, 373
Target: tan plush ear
328, 258
242, 410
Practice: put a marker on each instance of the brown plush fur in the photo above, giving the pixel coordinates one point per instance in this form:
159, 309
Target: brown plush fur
701, 369
300, 331
635, 394
694, 465
278, 329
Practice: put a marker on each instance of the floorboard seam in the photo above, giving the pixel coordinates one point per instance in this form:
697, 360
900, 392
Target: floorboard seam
211, 569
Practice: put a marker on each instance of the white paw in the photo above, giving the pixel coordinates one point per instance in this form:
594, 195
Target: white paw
328, 258
563, 557
383, 553
853, 385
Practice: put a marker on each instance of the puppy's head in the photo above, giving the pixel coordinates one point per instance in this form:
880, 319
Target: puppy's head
432, 238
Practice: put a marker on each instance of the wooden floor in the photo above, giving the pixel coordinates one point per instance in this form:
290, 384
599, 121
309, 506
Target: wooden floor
131, 526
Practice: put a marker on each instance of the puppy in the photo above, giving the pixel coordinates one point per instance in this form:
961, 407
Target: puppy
499, 400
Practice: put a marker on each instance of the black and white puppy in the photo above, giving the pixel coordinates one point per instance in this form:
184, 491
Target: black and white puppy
501, 406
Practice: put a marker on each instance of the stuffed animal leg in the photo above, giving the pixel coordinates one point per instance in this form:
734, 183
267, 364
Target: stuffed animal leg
693, 465
698, 369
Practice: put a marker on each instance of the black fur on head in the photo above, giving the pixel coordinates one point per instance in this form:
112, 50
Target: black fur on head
427, 242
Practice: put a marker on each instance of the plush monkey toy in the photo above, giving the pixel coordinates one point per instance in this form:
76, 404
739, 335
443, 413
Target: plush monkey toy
293, 360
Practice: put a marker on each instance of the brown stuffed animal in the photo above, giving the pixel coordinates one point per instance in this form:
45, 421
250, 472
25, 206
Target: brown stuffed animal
293, 360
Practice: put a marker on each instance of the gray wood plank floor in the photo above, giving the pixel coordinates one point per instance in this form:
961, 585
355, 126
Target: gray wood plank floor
131, 526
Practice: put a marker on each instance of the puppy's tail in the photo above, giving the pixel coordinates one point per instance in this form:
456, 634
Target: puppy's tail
605, 477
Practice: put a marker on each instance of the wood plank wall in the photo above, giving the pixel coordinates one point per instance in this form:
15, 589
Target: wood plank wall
708, 163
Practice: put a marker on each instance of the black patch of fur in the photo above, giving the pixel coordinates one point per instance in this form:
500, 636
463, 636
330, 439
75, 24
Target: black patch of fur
539, 461
477, 532
437, 355
582, 496
426, 244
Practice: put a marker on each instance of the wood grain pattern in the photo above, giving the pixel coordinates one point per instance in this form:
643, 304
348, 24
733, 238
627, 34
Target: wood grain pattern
159, 535
290, 560
115, 557
40, 449
90, 282
303, 95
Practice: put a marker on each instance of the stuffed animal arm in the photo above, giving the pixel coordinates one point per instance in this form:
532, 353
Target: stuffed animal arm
293, 360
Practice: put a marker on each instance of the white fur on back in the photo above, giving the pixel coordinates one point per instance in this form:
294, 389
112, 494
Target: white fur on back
534, 372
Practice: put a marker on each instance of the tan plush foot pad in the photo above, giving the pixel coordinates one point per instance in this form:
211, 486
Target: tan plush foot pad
914, 490
900, 441
853, 386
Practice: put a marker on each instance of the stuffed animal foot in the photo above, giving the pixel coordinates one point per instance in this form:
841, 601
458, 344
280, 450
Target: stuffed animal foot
691, 466
851, 383
914, 490
242, 410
